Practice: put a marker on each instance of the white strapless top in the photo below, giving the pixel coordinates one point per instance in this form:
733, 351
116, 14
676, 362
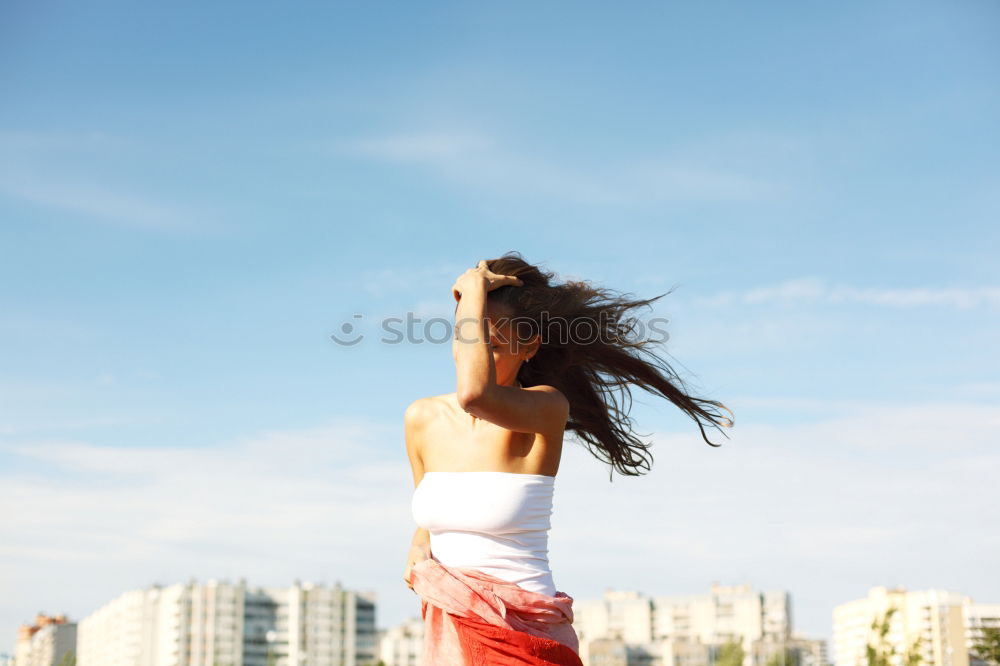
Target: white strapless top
496, 522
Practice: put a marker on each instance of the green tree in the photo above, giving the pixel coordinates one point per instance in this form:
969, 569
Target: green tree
786, 657
730, 654
882, 652
69, 659
987, 646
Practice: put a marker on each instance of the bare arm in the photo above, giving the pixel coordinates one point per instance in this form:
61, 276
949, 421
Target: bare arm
474, 368
412, 423
422, 538
542, 409
420, 545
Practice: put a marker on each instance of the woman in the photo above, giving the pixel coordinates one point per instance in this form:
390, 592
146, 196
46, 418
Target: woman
533, 359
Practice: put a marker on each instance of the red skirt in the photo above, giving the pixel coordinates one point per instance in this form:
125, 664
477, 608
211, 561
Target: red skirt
472, 618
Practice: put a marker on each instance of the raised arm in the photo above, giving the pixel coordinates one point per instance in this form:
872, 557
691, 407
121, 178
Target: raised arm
475, 372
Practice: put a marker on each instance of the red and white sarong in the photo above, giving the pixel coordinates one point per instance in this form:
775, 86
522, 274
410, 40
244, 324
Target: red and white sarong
472, 618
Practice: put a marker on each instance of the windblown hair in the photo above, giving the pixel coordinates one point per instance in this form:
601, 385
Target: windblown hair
588, 351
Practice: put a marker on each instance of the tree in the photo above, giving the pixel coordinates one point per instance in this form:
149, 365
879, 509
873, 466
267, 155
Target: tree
787, 657
882, 653
987, 646
69, 659
730, 654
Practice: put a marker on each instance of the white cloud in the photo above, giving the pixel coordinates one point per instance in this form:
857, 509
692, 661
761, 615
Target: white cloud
811, 290
50, 169
979, 390
823, 509
327, 503
690, 181
104, 204
478, 160
881, 494
26, 142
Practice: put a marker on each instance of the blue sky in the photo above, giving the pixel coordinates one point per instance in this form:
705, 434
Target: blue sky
193, 198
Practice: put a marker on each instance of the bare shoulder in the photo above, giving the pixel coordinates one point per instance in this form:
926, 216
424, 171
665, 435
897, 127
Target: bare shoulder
422, 410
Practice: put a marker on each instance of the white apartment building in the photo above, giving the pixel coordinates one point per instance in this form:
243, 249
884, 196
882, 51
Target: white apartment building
623, 615
977, 616
810, 651
938, 625
46, 642
626, 628
401, 645
223, 624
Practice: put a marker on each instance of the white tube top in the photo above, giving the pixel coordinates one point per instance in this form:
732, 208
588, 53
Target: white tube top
496, 522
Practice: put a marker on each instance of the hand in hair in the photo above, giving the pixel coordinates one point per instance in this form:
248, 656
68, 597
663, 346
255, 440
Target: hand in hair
481, 275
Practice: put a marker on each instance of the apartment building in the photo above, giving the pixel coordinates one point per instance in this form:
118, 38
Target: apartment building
935, 625
626, 628
977, 617
46, 642
223, 624
401, 645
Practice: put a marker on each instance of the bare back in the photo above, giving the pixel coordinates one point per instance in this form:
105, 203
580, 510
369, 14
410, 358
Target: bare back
451, 440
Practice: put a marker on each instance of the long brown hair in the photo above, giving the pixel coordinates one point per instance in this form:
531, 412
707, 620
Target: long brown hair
589, 371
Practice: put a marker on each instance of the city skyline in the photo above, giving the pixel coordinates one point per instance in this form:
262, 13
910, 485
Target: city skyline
241, 621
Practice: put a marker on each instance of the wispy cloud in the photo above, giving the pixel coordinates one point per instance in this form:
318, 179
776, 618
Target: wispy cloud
811, 290
323, 503
107, 205
477, 159
823, 509
25, 142
853, 494
50, 170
